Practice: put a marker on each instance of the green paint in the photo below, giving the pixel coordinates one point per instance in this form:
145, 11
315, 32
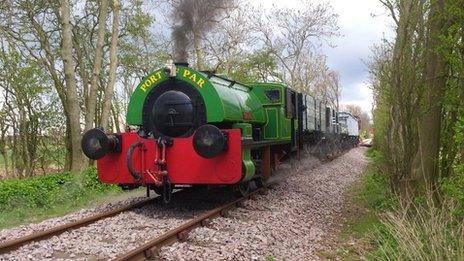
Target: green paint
248, 165
271, 130
260, 88
223, 102
285, 125
277, 127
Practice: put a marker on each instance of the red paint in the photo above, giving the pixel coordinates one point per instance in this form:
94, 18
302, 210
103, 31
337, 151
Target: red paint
184, 165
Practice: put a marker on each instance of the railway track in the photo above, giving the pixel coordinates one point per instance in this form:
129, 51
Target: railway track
10, 245
150, 249
146, 251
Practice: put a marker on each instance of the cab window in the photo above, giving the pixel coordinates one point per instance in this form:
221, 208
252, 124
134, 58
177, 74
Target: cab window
273, 95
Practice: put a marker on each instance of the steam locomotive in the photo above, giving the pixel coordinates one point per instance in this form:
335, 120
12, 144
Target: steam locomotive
190, 127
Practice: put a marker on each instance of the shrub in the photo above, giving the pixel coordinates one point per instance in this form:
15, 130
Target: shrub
420, 232
419, 229
32, 192
50, 190
90, 181
453, 190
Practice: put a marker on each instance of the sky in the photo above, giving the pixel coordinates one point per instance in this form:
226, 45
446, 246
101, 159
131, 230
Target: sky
362, 23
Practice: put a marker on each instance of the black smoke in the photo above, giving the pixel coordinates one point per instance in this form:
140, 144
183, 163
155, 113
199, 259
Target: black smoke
195, 15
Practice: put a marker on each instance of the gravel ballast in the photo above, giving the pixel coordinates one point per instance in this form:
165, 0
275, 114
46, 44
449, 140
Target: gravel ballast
110, 237
289, 222
23, 230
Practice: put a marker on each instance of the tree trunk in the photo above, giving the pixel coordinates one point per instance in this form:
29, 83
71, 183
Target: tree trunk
4, 149
425, 167
115, 113
97, 64
113, 67
72, 101
68, 145
198, 51
461, 145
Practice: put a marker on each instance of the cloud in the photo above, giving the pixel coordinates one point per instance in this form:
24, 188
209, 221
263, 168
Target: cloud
363, 23
359, 94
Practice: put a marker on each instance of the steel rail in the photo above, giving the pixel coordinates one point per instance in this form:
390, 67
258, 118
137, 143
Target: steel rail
150, 249
10, 245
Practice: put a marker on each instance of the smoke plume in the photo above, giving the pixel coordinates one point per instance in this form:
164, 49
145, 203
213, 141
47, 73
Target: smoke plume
197, 16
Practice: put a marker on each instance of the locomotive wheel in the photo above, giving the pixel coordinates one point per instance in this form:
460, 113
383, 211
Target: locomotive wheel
242, 189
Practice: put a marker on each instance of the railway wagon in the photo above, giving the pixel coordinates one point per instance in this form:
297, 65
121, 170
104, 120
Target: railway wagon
349, 129
189, 127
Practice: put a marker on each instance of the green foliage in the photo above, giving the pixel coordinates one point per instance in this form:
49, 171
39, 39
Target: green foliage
419, 232
90, 181
260, 66
453, 190
381, 123
48, 192
415, 230
453, 186
31, 111
375, 192
32, 192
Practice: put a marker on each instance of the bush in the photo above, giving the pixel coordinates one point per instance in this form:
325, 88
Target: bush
49, 190
453, 190
420, 232
419, 229
90, 181
32, 192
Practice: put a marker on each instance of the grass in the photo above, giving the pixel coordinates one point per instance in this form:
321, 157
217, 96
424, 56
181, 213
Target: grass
420, 232
19, 216
378, 227
37, 198
270, 257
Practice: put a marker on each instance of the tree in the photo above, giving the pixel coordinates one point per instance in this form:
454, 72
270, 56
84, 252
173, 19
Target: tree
258, 66
97, 64
292, 36
401, 90
229, 43
113, 66
417, 83
72, 46
72, 102
425, 165
334, 89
